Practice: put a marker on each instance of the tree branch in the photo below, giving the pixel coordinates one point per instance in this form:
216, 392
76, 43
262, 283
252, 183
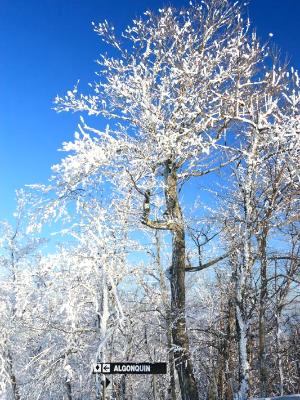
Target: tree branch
189, 175
146, 213
208, 264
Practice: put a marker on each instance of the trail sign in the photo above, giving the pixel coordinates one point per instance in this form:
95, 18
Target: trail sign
106, 382
130, 368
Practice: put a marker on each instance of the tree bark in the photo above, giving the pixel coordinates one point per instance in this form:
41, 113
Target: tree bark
262, 315
229, 351
241, 277
279, 353
166, 301
183, 363
15, 389
172, 383
68, 390
243, 358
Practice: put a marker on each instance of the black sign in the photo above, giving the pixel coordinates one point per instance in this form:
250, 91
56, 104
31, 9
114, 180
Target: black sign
106, 382
130, 368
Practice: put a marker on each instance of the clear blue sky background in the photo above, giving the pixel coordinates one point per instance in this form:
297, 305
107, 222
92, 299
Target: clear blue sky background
47, 45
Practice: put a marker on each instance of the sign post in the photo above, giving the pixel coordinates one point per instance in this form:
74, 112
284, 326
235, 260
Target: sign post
127, 368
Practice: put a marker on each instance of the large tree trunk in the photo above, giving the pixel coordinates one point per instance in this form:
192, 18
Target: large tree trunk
172, 383
183, 363
166, 302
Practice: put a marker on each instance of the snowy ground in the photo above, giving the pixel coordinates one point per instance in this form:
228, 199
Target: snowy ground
290, 397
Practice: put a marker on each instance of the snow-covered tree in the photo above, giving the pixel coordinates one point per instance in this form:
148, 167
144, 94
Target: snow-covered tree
187, 92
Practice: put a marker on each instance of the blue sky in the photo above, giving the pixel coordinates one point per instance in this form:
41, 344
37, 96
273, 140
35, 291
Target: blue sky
47, 45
